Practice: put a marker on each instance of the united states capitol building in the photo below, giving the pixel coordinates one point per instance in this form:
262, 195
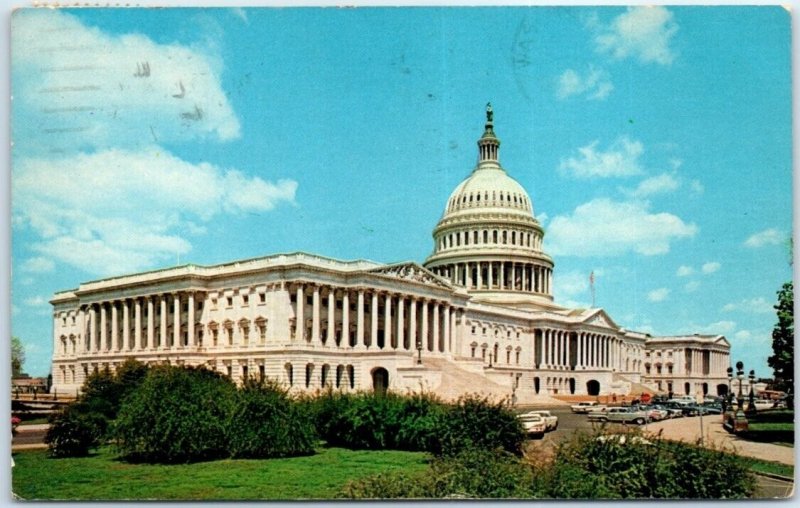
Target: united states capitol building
477, 316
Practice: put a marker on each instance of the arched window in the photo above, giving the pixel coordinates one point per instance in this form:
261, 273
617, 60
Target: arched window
495, 236
290, 374
309, 373
485, 236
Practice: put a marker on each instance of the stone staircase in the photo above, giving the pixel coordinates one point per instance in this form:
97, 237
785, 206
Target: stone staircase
456, 381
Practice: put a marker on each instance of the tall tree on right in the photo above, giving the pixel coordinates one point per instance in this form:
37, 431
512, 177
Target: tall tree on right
782, 360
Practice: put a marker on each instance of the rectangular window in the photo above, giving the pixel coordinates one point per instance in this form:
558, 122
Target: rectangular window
229, 301
213, 304
245, 299
229, 371
261, 372
262, 297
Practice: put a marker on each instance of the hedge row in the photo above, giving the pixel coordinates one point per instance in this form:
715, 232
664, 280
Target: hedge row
588, 466
416, 422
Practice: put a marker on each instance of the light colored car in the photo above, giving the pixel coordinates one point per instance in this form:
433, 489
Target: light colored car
533, 424
550, 420
621, 415
585, 407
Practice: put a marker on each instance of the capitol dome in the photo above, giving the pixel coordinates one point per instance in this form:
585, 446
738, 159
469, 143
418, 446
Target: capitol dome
488, 240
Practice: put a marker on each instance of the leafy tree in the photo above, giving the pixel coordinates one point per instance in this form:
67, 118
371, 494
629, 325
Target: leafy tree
17, 356
782, 361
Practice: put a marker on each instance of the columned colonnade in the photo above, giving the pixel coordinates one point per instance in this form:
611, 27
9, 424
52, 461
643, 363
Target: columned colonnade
371, 319
505, 275
563, 349
137, 329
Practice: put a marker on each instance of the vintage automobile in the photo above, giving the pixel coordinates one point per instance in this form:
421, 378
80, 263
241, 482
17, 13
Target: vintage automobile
585, 407
621, 415
550, 420
533, 424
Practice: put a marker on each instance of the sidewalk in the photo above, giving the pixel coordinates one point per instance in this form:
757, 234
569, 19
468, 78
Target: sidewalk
688, 430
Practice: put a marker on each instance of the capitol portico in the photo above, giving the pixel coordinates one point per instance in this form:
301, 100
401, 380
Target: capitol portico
477, 316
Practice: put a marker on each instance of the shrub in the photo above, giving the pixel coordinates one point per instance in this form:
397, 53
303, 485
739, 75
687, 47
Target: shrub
476, 422
599, 466
419, 420
74, 432
469, 474
177, 414
264, 422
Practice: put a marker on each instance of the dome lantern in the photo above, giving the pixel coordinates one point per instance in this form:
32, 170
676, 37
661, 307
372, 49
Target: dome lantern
488, 145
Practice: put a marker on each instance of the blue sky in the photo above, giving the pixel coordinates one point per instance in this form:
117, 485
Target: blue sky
655, 144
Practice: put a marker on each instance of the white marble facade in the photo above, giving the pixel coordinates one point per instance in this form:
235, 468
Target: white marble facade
478, 315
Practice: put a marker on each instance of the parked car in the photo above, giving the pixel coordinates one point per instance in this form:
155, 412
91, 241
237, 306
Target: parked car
585, 407
626, 415
533, 424
550, 420
668, 412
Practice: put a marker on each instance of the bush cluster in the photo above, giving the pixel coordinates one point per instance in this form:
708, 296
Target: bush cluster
264, 422
417, 422
469, 474
188, 414
593, 466
634, 468
83, 425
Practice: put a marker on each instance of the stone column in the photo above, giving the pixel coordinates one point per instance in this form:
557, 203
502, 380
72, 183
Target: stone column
93, 345
345, 318
192, 340
360, 318
433, 345
315, 338
373, 321
568, 338
114, 328
103, 328
137, 324
513, 276
412, 324
446, 331
468, 275
401, 321
387, 322
176, 320
490, 275
126, 327
329, 339
451, 345
479, 274
151, 328
300, 320
424, 336
163, 339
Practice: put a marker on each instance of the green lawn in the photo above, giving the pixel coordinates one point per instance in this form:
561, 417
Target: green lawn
104, 477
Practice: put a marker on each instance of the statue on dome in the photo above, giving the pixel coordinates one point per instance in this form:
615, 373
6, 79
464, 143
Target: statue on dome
489, 112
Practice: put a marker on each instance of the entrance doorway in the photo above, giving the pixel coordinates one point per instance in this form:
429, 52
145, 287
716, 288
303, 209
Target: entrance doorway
380, 380
593, 387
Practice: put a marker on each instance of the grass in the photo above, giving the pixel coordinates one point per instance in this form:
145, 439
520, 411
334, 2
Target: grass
764, 466
771, 426
34, 421
104, 477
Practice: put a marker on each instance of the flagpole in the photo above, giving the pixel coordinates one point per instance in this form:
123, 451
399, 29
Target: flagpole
591, 285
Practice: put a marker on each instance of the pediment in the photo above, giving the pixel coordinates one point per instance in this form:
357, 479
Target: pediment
600, 318
412, 272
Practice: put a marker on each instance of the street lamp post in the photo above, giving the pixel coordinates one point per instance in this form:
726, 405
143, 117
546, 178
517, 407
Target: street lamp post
751, 406
728, 399
419, 352
740, 376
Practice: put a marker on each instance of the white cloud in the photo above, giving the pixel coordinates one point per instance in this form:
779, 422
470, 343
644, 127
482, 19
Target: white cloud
641, 32
38, 265
116, 210
743, 335
658, 295
658, 184
35, 301
757, 305
684, 271
691, 286
696, 187
569, 284
710, 267
769, 236
606, 228
241, 14
542, 218
595, 84
80, 88
621, 159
